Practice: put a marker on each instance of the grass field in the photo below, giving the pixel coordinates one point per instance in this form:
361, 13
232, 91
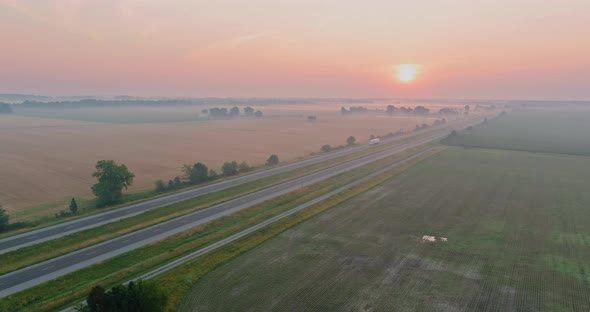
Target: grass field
517, 232
536, 130
49, 160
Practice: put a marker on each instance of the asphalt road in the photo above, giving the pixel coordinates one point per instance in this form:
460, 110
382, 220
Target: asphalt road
33, 275
55, 231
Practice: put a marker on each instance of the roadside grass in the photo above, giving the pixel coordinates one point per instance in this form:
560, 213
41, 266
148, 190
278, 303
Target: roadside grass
32, 218
72, 288
516, 224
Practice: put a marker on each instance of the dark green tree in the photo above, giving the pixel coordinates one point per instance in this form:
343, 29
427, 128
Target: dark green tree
112, 178
73, 206
196, 173
3, 219
272, 160
234, 111
351, 140
171, 185
229, 168
258, 114
134, 297
244, 167
326, 148
160, 186
177, 182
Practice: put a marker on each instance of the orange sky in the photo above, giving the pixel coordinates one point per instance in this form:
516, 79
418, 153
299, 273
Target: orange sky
526, 49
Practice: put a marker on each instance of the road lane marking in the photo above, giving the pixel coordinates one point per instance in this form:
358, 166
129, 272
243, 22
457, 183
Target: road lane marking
47, 268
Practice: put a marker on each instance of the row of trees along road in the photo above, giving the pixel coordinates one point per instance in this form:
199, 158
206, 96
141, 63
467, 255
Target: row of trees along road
199, 173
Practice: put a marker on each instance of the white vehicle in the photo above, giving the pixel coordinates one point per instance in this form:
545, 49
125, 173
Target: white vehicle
375, 141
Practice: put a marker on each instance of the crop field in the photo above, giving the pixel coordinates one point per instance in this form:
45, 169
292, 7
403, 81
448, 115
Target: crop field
537, 130
45, 160
465, 230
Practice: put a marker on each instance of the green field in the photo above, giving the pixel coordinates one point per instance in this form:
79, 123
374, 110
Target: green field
535, 130
517, 234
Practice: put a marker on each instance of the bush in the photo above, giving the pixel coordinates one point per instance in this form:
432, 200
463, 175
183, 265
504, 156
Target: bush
3, 219
244, 167
229, 168
351, 140
272, 160
161, 185
326, 148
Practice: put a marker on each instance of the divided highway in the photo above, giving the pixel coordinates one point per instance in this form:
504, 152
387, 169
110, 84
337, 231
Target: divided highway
55, 231
33, 275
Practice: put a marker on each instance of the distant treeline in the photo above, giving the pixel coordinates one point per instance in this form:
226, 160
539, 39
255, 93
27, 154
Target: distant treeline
5, 108
418, 110
161, 102
223, 112
353, 109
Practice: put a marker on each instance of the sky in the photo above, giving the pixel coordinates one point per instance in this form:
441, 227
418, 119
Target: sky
525, 49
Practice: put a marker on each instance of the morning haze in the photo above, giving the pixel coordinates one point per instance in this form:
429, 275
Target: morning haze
294, 156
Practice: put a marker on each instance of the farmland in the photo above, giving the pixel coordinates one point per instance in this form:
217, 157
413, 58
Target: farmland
537, 130
516, 225
55, 157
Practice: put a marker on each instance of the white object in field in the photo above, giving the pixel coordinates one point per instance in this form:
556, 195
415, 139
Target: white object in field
375, 141
444, 239
428, 238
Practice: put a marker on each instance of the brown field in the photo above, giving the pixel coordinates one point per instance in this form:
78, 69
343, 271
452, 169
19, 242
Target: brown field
47, 160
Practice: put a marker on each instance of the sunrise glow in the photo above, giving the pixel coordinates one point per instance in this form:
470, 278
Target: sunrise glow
406, 72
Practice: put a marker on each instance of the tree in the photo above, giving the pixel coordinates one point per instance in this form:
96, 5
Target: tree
73, 206
390, 109
112, 178
171, 184
229, 168
244, 167
421, 110
272, 160
258, 114
234, 111
213, 174
467, 107
196, 173
3, 219
326, 148
160, 185
248, 111
351, 140
177, 182
135, 296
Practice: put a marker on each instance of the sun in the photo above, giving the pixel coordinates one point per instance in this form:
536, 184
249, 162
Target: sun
406, 72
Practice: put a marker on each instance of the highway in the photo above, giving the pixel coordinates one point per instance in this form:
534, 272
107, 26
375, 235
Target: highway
33, 275
55, 231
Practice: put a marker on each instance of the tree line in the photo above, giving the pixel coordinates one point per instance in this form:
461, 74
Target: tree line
198, 173
217, 112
